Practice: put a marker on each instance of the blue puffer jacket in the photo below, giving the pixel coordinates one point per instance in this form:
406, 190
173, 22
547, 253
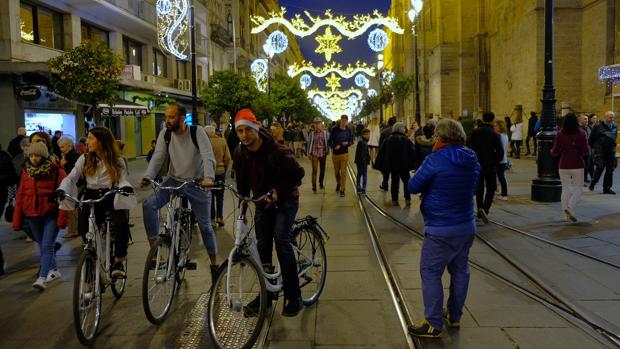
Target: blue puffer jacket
447, 180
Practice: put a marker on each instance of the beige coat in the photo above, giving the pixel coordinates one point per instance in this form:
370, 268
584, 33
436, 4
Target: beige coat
222, 154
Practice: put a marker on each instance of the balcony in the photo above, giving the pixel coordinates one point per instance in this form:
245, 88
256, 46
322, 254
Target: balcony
142, 9
221, 36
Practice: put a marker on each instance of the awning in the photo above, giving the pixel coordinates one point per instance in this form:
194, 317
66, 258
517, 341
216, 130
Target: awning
123, 108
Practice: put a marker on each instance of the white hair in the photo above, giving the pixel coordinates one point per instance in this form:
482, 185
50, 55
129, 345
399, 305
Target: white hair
65, 140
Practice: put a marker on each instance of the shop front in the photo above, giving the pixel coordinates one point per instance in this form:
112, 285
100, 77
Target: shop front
124, 119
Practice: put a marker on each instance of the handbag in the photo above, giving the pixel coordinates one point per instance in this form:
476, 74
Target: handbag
10, 209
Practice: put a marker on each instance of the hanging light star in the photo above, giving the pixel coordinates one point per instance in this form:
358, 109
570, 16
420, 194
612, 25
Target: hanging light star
333, 82
328, 44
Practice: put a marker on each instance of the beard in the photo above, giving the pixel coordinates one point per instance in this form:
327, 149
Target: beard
173, 127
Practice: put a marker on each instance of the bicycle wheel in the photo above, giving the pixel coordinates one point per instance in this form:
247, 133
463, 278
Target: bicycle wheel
185, 242
86, 298
118, 285
311, 257
158, 282
237, 324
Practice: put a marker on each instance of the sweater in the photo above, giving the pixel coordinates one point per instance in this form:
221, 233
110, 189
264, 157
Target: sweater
222, 154
488, 147
341, 138
571, 148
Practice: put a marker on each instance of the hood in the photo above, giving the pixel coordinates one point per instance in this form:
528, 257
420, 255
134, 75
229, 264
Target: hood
423, 141
460, 156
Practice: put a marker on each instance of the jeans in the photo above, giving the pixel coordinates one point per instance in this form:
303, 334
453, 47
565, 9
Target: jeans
397, 177
217, 205
340, 169
527, 144
516, 149
201, 208
572, 186
276, 224
45, 230
361, 178
437, 254
501, 176
607, 164
318, 165
488, 181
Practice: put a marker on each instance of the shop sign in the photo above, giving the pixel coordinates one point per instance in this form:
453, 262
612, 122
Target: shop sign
116, 112
29, 93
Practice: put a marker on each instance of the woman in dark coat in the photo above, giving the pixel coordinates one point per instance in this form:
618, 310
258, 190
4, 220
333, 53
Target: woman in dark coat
397, 157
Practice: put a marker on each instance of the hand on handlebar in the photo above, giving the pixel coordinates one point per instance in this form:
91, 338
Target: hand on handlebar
272, 198
206, 183
144, 181
56, 195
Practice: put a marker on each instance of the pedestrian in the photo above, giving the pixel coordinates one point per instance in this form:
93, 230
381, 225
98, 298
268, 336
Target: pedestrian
571, 145
516, 130
8, 179
55, 147
603, 143
298, 141
508, 122
424, 145
592, 121
222, 161
373, 140
385, 133
44, 137
289, 137
531, 134
41, 176
396, 156
500, 129
149, 155
362, 160
340, 139
490, 152
14, 149
278, 132
69, 157
317, 151
587, 158
447, 180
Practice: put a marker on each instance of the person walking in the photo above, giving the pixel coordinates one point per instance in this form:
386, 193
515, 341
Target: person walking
222, 161
603, 143
500, 129
14, 145
385, 133
516, 130
490, 152
531, 133
397, 157
447, 181
592, 121
362, 159
587, 158
33, 207
68, 158
317, 151
340, 139
278, 132
298, 140
571, 145
424, 144
8, 179
55, 147
373, 140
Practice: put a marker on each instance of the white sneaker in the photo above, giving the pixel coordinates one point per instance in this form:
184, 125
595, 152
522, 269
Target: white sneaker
28, 239
570, 215
40, 284
503, 198
53, 275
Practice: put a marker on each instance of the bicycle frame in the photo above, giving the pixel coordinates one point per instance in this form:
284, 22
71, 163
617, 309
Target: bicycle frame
172, 225
93, 236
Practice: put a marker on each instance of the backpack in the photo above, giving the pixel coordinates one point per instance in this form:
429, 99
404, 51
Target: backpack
167, 137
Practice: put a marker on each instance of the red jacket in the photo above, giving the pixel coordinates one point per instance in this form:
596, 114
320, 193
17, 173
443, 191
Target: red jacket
32, 197
571, 149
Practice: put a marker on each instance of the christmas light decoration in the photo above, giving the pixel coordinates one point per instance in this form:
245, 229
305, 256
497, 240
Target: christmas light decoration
361, 81
372, 92
278, 41
350, 29
387, 76
610, 73
378, 40
260, 69
328, 44
333, 82
305, 81
173, 27
334, 106
330, 94
332, 67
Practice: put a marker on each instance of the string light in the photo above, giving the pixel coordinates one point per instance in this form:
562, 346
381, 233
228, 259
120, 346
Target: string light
333, 82
332, 67
328, 44
173, 26
330, 94
350, 29
372, 92
260, 69
305, 81
278, 41
361, 81
610, 73
378, 40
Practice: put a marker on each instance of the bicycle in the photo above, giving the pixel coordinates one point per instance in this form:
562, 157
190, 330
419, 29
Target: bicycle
168, 259
94, 270
242, 278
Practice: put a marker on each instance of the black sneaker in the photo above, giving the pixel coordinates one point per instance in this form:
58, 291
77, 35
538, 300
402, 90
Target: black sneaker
424, 329
292, 307
483, 216
118, 271
314, 188
449, 321
609, 191
591, 187
383, 188
342, 193
337, 189
321, 186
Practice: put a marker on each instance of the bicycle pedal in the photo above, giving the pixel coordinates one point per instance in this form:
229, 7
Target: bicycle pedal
191, 266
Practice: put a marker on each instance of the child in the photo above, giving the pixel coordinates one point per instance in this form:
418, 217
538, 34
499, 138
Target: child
362, 159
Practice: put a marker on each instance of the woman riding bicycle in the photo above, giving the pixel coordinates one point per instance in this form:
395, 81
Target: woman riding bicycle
103, 169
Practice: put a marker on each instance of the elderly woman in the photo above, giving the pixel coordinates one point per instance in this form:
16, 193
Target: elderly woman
68, 158
447, 181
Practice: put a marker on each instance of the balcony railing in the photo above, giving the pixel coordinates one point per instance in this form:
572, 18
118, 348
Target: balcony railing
221, 35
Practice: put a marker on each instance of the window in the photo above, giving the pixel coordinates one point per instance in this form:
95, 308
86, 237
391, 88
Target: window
160, 63
90, 32
41, 26
183, 70
133, 52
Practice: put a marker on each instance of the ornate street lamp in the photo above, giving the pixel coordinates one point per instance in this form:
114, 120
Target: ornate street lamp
416, 8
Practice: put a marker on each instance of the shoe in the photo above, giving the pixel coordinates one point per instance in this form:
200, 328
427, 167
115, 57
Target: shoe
342, 193
503, 198
570, 215
591, 187
321, 186
609, 191
71, 235
314, 188
57, 246
383, 188
453, 324
214, 268
395, 203
40, 284
586, 181
28, 239
52, 276
483, 216
292, 307
526, 154
118, 271
364, 192
359, 192
424, 329
337, 189
220, 221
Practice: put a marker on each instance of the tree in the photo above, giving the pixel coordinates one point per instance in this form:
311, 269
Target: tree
88, 74
372, 105
230, 92
401, 87
286, 98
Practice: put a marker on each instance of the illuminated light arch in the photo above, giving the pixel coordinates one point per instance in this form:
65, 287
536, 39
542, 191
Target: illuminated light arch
351, 29
329, 68
305, 81
330, 94
173, 27
277, 41
378, 40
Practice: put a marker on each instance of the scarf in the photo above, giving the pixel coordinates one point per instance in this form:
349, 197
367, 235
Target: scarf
38, 172
440, 144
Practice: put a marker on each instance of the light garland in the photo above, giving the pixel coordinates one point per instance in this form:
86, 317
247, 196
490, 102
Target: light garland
277, 41
378, 40
372, 92
361, 81
328, 44
305, 81
332, 67
260, 69
387, 76
333, 82
330, 94
335, 106
610, 73
173, 26
351, 29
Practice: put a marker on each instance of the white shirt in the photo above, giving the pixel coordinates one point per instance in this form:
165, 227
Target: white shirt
517, 132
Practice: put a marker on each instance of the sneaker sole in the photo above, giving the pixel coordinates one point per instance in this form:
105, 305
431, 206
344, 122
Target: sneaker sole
570, 215
426, 335
39, 287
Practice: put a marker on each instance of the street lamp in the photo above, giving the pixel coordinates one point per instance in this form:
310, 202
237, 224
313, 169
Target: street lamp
416, 8
380, 78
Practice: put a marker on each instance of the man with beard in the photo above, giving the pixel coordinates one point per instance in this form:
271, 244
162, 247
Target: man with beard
189, 155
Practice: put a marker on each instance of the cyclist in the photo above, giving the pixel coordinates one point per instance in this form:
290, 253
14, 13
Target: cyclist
261, 165
190, 156
103, 168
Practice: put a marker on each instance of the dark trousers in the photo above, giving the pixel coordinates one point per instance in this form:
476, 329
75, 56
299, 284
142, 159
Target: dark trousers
501, 176
527, 144
484, 200
361, 178
397, 177
588, 171
385, 180
276, 224
607, 164
318, 165
217, 204
439, 253
119, 223
516, 148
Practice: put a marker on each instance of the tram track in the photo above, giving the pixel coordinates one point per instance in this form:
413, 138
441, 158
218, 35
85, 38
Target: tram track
597, 328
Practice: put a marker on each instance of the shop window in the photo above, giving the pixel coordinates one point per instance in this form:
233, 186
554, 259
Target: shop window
41, 26
90, 32
133, 52
160, 63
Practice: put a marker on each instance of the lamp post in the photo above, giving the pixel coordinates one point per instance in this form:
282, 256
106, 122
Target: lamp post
547, 187
416, 8
380, 78
192, 36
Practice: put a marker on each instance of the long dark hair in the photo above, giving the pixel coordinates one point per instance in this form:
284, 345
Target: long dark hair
110, 158
571, 124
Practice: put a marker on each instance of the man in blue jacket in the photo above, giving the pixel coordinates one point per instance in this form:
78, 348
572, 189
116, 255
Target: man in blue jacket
340, 139
447, 181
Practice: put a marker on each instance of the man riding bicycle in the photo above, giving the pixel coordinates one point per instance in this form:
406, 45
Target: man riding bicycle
189, 155
261, 165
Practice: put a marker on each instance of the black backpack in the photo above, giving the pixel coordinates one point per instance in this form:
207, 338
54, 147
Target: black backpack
167, 137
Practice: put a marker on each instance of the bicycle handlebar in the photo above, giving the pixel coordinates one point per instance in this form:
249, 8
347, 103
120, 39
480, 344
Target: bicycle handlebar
219, 185
159, 186
63, 195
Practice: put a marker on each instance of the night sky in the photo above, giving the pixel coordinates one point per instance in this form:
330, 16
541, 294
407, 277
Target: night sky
352, 50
